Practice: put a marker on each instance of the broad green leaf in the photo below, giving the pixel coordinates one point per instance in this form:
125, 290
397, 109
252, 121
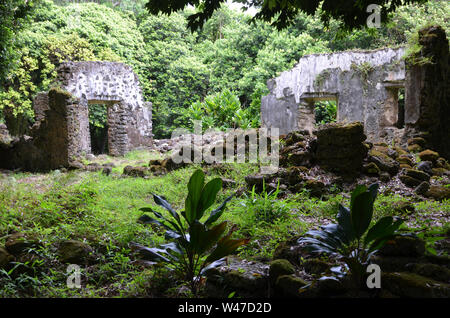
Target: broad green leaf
145, 219
166, 205
152, 254
373, 189
326, 237
389, 233
361, 213
195, 187
345, 222
225, 247
380, 229
203, 239
208, 196
216, 213
357, 191
336, 231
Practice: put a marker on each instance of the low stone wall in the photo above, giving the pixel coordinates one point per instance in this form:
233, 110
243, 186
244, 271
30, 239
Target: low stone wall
48, 146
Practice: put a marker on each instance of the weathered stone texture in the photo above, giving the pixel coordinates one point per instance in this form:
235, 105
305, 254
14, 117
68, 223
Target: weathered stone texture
340, 148
428, 90
60, 134
365, 85
360, 82
117, 86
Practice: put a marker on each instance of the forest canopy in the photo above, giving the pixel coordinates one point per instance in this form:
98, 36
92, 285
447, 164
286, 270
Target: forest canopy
227, 62
282, 13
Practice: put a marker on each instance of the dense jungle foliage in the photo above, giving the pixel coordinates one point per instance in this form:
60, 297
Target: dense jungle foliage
183, 72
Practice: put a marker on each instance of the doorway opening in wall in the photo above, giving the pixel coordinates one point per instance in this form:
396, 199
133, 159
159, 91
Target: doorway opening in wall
325, 111
401, 108
98, 128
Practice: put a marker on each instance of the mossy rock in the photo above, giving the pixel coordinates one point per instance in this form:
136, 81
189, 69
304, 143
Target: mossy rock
417, 174
5, 258
422, 188
169, 164
135, 171
246, 279
75, 252
288, 286
157, 170
413, 285
400, 151
280, 267
403, 207
442, 163
155, 162
18, 243
434, 271
299, 158
315, 266
409, 181
290, 250
403, 159
355, 129
417, 141
293, 137
371, 169
391, 153
414, 148
385, 176
438, 192
405, 166
316, 188
383, 161
439, 171
403, 246
428, 155
393, 263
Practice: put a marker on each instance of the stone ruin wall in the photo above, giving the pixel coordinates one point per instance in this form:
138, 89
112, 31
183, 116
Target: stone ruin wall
365, 85
116, 86
60, 135
362, 83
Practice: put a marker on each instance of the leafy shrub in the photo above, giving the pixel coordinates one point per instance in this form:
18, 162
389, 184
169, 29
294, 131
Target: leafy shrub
195, 246
264, 207
348, 239
222, 111
325, 112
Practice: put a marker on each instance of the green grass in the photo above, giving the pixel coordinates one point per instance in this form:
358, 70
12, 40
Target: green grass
102, 211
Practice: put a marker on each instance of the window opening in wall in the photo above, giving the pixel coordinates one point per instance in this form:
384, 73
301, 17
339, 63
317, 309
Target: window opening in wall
401, 108
325, 111
98, 128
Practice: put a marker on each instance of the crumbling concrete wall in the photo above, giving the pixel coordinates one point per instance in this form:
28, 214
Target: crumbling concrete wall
362, 82
116, 86
60, 135
428, 91
48, 146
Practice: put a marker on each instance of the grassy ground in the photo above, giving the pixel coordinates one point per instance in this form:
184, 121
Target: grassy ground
102, 211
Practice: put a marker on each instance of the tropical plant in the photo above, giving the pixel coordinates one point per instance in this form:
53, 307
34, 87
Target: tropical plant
265, 206
325, 112
348, 239
194, 246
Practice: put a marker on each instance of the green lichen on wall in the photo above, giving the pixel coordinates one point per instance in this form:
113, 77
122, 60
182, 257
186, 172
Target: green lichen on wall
321, 78
413, 54
364, 69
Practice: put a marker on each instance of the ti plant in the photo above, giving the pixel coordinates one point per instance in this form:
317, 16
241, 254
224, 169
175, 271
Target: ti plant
351, 240
194, 245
